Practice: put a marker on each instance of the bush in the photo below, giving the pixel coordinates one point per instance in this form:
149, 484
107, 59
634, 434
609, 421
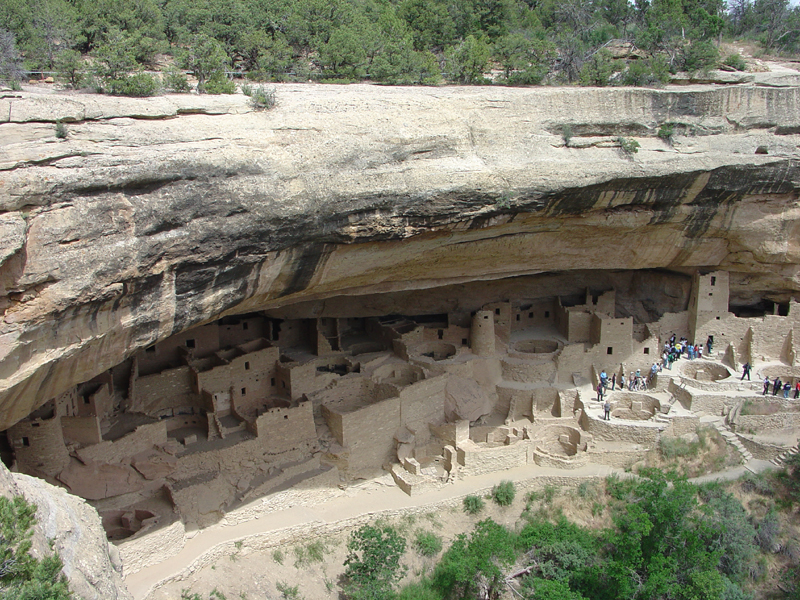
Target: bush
503, 493
23, 577
372, 566
174, 80
629, 146
138, 85
473, 504
646, 72
566, 133
427, 543
288, 592
699, 56
666, 131
261, 98
61, 130
768, 531
735, 62
219, 84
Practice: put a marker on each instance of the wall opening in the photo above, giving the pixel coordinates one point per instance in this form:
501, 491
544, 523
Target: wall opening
247, 366
647, 350
190, 343
26, 442
609, 350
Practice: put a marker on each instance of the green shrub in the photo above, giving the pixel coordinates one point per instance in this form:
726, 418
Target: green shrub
23, 577
654, 71
629, 146
598, 69
174, 80
219, 84
666, 131
768, 531
419, 590
261, 98
503, 493
288, 592
372, 566
735, 62
277, 556
138, 85
61, 130
699, 56
476, 564
473, 504
566, 133
427, 543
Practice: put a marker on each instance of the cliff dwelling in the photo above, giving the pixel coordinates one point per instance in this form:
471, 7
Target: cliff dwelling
207, 308
205, 420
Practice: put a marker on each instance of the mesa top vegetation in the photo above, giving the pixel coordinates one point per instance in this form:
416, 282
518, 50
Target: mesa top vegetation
391, 41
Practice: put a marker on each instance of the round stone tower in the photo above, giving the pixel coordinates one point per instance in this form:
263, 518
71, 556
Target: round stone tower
481, 334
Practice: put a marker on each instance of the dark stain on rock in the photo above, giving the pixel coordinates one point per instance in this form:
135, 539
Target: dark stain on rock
303, 266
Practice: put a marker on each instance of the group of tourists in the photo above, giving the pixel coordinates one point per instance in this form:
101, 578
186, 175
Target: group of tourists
784, 386
675, 348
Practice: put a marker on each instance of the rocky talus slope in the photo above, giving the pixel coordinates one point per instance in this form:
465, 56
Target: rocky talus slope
154, 215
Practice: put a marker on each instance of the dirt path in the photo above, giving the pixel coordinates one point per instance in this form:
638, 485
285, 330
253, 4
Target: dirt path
342, 508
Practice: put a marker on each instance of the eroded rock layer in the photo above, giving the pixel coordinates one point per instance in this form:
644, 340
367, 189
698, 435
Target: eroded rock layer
156, 215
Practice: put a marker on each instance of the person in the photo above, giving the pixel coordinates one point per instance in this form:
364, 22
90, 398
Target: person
797, 390
622, 381
766, 385
776, 385
604, 378
600, 392
710, 342
631, 380
699, 352
690, 352
787, 387
607, 410
664, 360
672, 340
613, 381
746, 371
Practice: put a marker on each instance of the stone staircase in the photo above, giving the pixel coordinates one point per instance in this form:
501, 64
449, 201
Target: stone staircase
780, 460
718, 423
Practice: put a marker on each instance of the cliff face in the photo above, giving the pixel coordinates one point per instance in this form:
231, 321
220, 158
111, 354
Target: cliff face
155, 215
74, 530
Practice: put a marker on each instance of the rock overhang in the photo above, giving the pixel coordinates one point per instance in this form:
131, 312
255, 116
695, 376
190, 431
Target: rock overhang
155, 216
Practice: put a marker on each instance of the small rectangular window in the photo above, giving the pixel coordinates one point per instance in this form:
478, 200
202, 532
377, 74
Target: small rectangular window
547, 314
86, 399
485, 316
647, 350
609, 350
530, 315
190, 343
247, 366
710, 293
441, 334
244, 325
272, 382
244, 391
497, 311
517, 317
283, 384
463, 341
26, 442
713, 281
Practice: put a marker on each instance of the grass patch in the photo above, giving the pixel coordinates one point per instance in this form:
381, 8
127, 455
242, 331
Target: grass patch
427, 543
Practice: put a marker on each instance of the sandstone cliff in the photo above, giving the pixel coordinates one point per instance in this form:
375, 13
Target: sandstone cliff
155, 215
